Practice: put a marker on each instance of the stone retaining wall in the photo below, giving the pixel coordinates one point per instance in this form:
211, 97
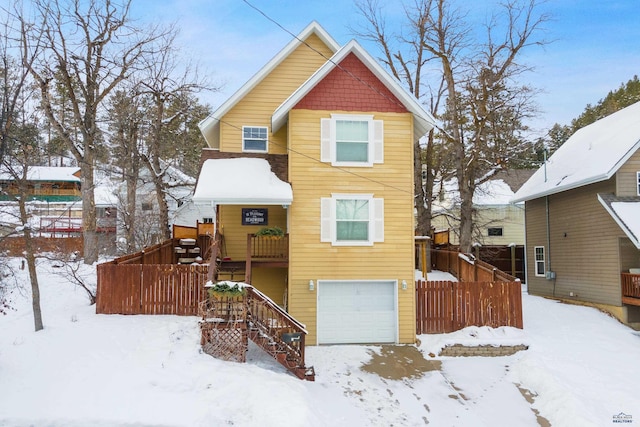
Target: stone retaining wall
482, 350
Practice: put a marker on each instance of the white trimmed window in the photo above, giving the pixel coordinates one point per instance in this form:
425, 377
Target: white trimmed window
638, 182
352, 219
351, 140
254, 139
539, 260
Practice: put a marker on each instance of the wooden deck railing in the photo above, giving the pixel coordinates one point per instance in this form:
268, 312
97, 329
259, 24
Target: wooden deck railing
630, 288
267, 247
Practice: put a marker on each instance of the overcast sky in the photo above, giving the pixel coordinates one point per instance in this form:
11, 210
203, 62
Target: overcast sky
595, 48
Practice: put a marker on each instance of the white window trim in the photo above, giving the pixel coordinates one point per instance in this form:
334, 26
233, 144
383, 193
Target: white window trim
328, 140
638, 182
328, 229
536, 261
266, 142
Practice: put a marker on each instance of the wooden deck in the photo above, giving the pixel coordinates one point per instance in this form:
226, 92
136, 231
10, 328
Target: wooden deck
630, 284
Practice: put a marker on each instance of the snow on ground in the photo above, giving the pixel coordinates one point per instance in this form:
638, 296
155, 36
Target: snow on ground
137, 371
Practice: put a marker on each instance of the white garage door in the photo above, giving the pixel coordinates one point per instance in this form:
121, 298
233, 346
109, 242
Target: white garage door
357, 312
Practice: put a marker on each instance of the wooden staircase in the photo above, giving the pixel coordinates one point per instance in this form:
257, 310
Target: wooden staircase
227, 322
276, 332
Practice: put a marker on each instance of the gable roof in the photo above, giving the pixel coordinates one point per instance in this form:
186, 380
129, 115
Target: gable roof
625, 211
592, 154
424, 120
496, 191
212, 122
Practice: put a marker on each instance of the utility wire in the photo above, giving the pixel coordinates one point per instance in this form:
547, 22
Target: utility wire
349, 73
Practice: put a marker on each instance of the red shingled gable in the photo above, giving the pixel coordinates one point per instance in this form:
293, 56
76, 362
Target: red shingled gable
340, 90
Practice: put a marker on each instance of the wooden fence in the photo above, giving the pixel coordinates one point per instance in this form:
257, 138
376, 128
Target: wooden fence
466, 268
444, 306
150, 289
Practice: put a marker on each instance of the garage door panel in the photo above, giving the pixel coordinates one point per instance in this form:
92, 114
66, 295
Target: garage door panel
357, 312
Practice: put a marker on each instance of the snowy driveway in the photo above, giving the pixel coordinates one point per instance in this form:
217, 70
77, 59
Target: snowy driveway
142, 371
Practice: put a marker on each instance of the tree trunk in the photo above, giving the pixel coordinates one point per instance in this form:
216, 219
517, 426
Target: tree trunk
422, 195
129, 214
91, 247
31, 263
466, 217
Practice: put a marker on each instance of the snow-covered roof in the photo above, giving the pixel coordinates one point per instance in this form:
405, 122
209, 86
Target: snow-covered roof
497, 191
592, 154
240, 181
424, 120
625, 211
212, 122
47, 173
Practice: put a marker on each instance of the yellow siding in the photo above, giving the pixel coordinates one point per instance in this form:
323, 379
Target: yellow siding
256, 108
235, 234
584, 245
311, 180
627, 178
271, 281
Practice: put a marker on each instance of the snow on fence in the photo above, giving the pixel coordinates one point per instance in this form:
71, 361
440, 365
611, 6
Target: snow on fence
444, 306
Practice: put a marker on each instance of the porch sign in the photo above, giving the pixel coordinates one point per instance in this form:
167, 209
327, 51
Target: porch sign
254, 216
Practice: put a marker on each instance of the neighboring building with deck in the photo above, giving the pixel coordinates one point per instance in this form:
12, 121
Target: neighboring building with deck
50, 184
320, 144
582, 213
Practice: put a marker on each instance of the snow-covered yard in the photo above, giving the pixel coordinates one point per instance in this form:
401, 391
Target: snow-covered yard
83, 369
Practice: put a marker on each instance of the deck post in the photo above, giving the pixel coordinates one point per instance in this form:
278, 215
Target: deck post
247, 269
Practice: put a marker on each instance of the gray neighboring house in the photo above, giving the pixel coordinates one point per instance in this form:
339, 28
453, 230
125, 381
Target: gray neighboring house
582, 216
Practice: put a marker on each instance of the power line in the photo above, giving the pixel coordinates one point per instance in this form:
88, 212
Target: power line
349, 73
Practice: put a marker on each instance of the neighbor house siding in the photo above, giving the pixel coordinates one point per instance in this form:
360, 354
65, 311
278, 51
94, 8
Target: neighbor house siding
509, 217
256, 108
627, 177
311, 180
584, 245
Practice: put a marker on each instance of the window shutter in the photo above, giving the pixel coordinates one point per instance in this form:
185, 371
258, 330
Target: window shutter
378, 141
325, 140
326, 219
378, 220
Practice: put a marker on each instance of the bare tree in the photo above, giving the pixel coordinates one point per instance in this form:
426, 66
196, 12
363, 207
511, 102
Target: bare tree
407, 59
481, 118
13, 76
126, 127
19, 138
169, 85
90, 47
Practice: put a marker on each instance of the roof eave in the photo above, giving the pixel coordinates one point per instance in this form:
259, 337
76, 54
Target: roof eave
424, 120
561, 188
313, 28
634, 239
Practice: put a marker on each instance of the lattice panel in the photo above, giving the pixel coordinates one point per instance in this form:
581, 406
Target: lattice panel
225, 341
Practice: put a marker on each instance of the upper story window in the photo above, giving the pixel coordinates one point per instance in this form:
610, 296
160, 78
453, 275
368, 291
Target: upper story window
351, 140
254, 139
638, 179
352, 220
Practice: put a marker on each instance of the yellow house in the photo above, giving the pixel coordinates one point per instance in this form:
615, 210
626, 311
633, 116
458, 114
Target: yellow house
319, 143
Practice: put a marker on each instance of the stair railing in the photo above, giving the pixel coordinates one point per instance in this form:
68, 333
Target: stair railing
279, 334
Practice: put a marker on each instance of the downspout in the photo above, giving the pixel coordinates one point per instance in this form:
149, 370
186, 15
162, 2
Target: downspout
549, 275
548, 272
